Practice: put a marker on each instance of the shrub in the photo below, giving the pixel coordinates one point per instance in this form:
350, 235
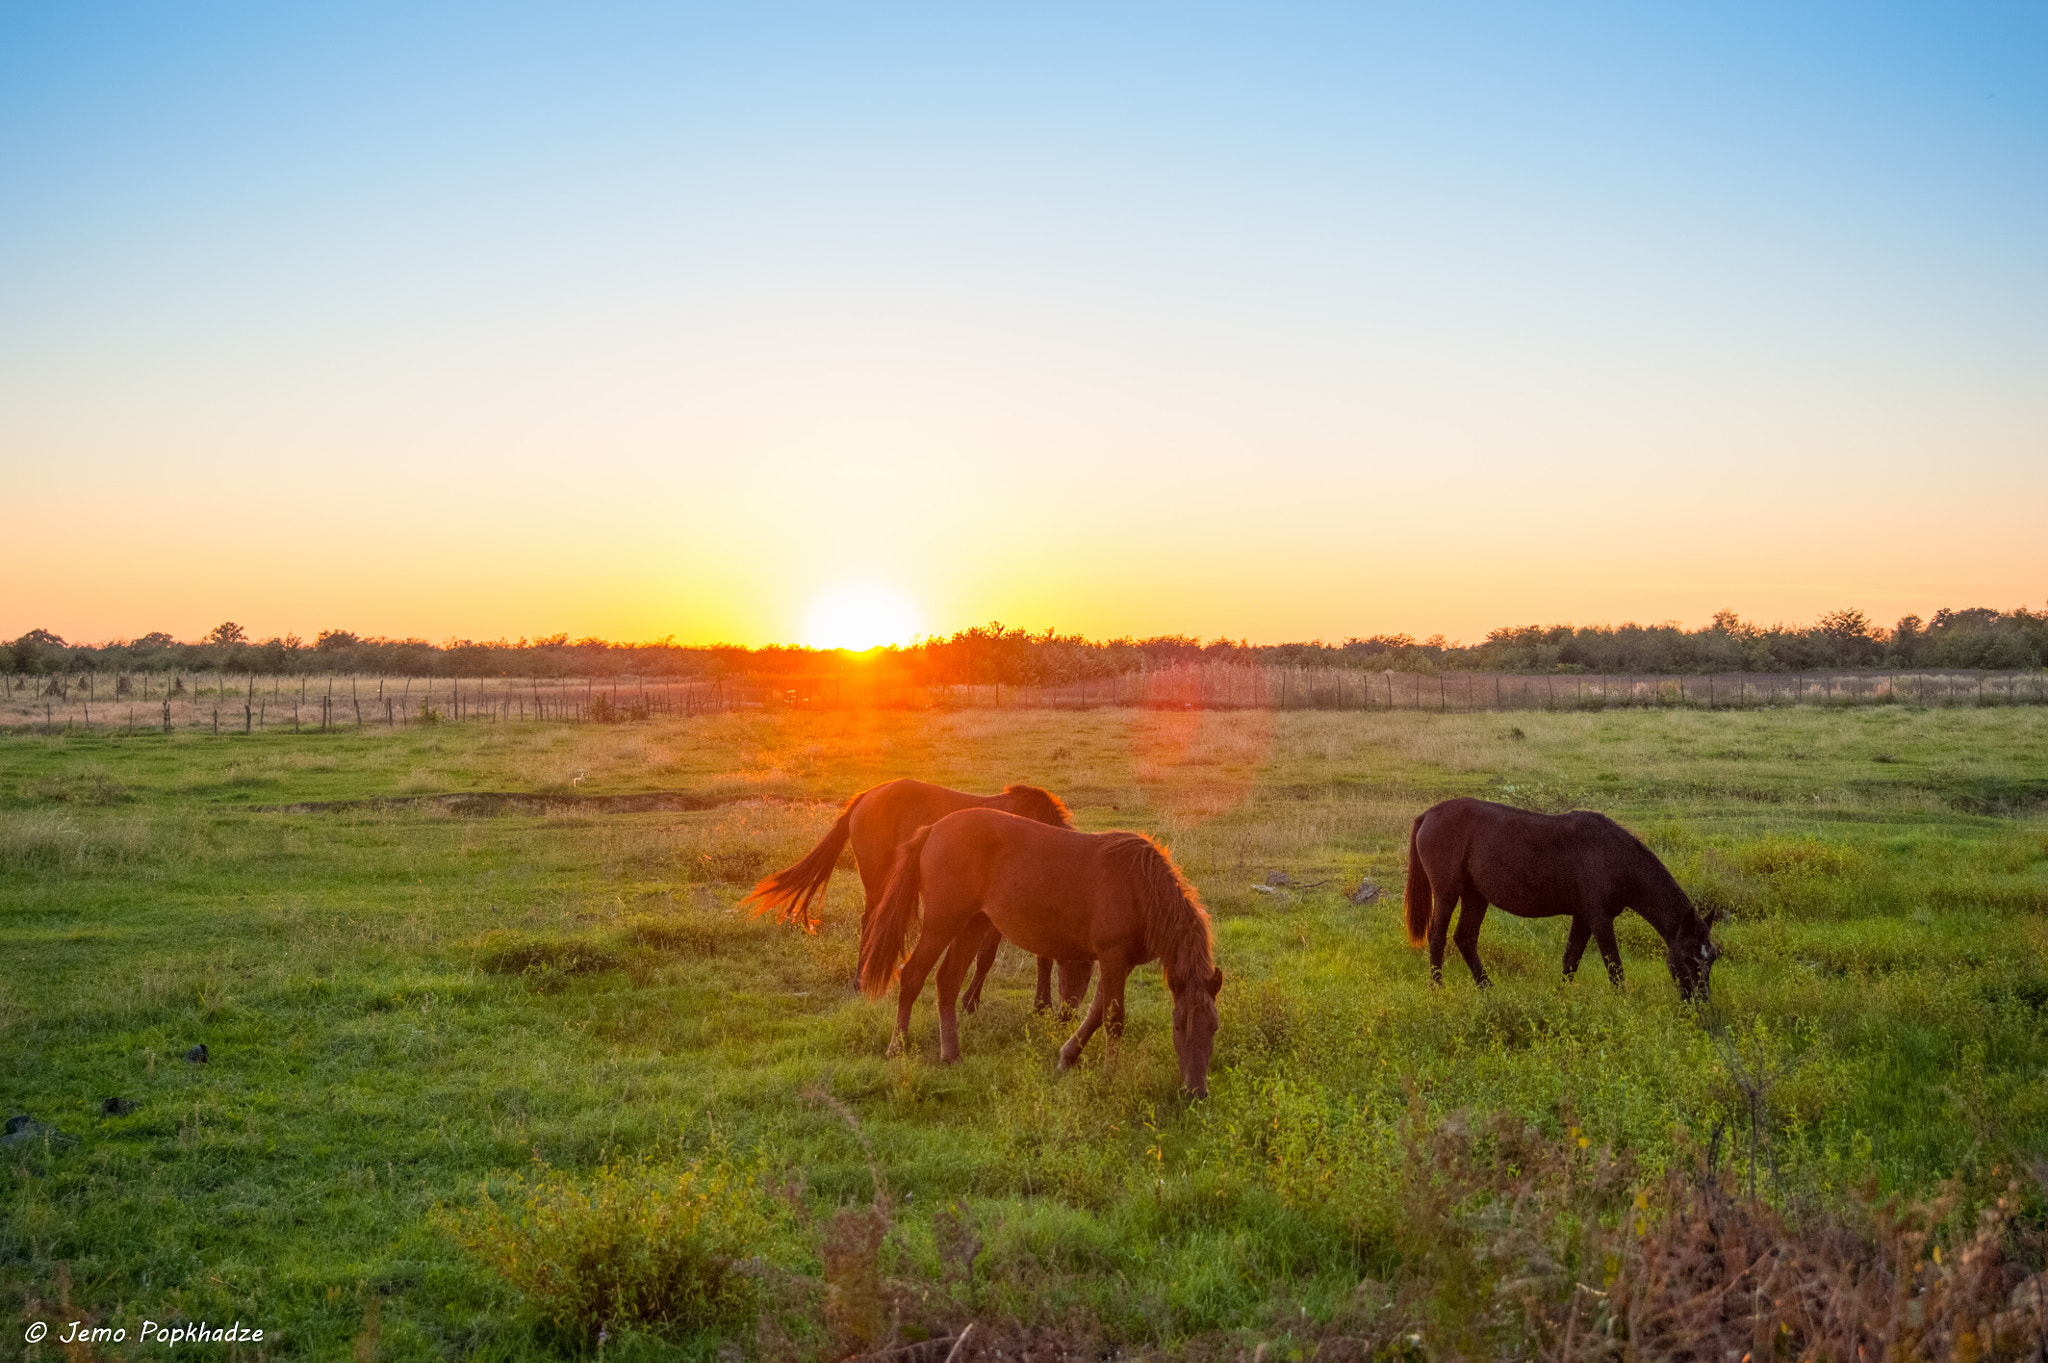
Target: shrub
1808, 878
640, 1245
1508, 1230
542, 958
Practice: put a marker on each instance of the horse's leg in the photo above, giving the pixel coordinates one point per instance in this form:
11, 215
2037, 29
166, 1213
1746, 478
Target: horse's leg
929, 948
1113, 976
1043, 999
1111, 985
1575, 945
991, 943
1467, 936
951, 971
1446, 901
1073, 985
1603, 933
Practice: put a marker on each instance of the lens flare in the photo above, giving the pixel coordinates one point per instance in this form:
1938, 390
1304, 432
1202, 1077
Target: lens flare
860, 616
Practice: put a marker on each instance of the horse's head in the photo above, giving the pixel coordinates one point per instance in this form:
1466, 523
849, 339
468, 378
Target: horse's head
1194, 1030
1691, 955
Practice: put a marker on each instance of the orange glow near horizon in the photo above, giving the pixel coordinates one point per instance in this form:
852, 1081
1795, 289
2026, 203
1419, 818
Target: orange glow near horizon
714, 323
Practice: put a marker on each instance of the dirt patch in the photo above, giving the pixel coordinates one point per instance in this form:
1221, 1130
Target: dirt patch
488, 802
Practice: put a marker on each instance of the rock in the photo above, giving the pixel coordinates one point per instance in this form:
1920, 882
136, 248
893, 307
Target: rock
116, 1107
197, 1055
1268, 889
1279, 878
1366, 892
23, 1129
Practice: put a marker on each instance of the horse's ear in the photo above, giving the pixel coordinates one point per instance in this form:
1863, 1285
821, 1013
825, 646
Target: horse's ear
1713, 915
1216, 982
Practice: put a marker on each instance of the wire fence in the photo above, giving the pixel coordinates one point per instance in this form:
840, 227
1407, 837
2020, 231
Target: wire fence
225, 703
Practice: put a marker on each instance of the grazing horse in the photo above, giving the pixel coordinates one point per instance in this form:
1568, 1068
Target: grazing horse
1540, 866
1108, 897
877, 821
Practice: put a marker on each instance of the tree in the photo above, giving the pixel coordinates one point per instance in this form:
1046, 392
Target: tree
227, 632
28, 649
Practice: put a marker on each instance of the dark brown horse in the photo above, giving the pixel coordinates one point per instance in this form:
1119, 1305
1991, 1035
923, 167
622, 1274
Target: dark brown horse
1108, 897
1539, 866
877, 821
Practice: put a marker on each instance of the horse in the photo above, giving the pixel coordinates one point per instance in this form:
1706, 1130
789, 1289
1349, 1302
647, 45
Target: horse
1110, 897
877, 821
1539, 866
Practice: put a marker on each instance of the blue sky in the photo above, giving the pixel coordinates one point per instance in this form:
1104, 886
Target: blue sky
1268, 321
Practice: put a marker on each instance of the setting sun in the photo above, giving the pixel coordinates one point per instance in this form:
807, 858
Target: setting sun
860, 616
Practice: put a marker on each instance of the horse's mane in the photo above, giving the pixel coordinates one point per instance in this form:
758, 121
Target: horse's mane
1176, 924
1659, 888
1033, 802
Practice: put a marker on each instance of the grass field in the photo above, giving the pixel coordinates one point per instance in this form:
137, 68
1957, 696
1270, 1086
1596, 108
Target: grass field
405, 1006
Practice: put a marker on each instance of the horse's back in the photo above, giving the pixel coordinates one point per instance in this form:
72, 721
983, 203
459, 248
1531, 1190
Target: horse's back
889, 813
1045, 888
1525, 862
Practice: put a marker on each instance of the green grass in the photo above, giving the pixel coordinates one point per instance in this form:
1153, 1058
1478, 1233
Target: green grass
405, 1005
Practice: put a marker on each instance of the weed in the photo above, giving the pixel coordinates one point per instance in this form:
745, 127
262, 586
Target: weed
637, 1244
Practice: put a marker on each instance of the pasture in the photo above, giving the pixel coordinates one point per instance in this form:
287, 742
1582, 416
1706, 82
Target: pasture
411, 1001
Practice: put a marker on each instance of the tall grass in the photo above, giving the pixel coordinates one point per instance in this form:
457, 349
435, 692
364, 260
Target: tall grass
404, 1004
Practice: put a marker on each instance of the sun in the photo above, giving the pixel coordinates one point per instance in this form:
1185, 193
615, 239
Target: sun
860, 616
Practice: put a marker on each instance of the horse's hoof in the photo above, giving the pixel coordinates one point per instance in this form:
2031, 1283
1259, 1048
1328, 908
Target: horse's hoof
896, 1048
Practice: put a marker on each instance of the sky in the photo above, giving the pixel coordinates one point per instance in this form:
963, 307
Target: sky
1261, 321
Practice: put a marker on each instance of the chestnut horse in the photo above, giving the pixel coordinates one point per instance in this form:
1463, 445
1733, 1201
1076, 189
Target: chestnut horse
1539, 866
1108, 897
877, 821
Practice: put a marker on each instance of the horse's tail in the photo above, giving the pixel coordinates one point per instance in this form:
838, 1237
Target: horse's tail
794, 889
881, 939
1415, 898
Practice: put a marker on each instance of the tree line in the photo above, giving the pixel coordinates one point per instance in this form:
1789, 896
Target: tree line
1976, 638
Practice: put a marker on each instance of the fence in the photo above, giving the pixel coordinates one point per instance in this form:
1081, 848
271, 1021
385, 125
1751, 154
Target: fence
225, 704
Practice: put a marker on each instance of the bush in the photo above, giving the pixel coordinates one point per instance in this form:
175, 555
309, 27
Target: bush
640, 1246
544, 958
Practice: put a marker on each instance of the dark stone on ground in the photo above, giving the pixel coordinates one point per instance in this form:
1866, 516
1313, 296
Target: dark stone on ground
116, 1107
197, 1055
23, 1129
